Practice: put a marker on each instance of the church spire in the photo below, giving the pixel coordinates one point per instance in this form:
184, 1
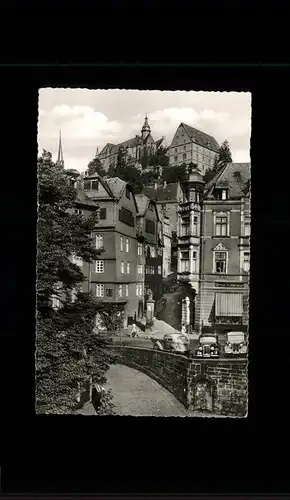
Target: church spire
146, 128
60, 153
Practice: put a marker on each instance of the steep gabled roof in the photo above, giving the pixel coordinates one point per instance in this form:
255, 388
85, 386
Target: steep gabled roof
161, 193
83, 199
112, 149
142, 203
117, 186
200, 138
233, 176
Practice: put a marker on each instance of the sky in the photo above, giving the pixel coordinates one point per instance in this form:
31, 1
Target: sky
91, 118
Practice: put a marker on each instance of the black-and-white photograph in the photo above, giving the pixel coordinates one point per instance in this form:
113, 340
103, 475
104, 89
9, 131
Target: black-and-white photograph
143, 253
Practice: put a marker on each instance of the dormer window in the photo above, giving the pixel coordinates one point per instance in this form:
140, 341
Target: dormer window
95, 185
87, 185
151, 207
221, 194
91, 185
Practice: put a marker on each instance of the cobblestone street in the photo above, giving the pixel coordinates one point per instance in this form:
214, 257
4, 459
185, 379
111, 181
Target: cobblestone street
136, 394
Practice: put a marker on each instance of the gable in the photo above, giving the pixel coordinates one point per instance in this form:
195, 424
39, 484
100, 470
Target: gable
220, 248
180, 137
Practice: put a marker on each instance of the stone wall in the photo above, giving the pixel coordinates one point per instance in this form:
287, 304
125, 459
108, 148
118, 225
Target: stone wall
169, 370
217, 386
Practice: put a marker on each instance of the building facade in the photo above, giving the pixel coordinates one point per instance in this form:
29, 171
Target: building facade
167, 197
131, 149
114, 278
167, 241
214, 249
150, 239
192, 145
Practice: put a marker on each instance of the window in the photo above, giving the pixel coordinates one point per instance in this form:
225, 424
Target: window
55, 302
246, 262
152, 270
184, 148
126, 290
221, 225
220, 262
224, 194
195, 222
139, 249
95, 185
78, 211
99, 290
184, 156
150, 226
159, 270
100, 267
194, 262
128, 267
163, 206
99, 241
175, 158
153, 252
160, 252
139, 289
184, 262
126, 217
122, 267
103, 213
127, 192
87, 185
109, 292
140, 269
121, 244
176, 150
247, 226
185, 226
120, 290
150, 207
127, 245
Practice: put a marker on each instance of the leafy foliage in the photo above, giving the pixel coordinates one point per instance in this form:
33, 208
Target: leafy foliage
129, 174
68, 348
95, 167
159, 158
224, 156
177, 173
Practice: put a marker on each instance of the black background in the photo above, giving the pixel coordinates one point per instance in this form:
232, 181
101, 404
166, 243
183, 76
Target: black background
126, 454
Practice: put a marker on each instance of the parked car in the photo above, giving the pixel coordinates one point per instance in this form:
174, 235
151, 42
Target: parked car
173, 342
236, 343
208, 346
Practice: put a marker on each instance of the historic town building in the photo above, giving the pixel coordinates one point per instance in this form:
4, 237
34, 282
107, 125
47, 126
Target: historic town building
131, 149
192, 145
114, 278
167, 197
214, 248
150, 245
167, 241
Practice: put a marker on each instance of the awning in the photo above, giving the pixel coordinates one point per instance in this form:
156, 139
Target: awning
228, 304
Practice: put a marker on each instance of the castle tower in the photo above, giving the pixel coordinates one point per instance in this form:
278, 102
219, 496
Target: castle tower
60, 152
146, 130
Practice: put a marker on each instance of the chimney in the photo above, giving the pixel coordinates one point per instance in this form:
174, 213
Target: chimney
155, 185
164, 184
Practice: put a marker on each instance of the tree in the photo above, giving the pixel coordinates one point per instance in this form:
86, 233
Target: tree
128, 173
95, 167
68, 348
224, 154
121, 159
145, 159
223, 157
159, 158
